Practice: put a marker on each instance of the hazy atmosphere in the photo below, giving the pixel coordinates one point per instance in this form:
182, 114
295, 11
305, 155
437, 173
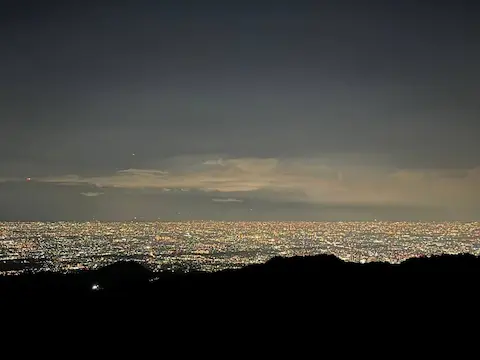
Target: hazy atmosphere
239, 110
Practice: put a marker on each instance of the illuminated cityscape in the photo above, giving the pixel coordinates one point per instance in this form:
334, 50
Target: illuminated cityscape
213, 246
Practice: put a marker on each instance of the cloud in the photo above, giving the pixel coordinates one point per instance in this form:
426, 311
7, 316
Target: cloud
214, 162
12, 179
227, 200
334, 180
91, 194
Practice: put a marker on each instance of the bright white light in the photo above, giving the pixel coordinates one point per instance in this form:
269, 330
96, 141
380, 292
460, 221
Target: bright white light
95, 287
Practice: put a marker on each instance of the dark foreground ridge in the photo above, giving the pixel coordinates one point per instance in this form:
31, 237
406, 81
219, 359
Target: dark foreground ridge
302, 276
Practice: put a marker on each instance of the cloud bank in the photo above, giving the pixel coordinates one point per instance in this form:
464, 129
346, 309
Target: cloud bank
334, 180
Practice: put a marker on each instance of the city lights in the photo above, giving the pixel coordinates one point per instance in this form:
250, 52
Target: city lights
212, 246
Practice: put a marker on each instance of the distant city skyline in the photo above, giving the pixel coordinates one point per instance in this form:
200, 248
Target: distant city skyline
213, 246
288, 110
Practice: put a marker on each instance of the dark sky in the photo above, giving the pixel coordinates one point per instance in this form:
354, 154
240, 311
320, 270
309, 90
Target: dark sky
271, 110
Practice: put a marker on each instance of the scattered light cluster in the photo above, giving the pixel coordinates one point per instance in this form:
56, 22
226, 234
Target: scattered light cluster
212, 246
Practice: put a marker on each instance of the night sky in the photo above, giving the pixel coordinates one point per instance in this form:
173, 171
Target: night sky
240, 110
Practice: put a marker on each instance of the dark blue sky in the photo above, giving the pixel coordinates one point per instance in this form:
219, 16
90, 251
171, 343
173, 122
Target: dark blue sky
257, 110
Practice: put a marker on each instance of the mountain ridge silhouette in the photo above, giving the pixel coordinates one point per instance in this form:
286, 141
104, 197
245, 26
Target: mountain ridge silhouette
130, 277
